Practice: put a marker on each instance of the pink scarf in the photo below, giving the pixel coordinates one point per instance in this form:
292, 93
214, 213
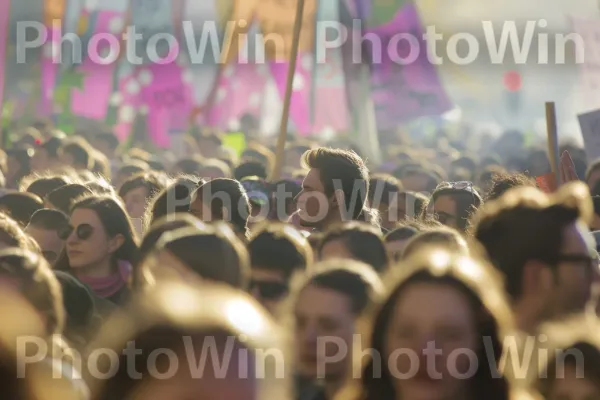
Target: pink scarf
108, 286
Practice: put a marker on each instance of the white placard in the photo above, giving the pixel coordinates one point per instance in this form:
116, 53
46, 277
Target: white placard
590, 129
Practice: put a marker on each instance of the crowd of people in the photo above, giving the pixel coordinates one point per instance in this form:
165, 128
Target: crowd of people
442, 272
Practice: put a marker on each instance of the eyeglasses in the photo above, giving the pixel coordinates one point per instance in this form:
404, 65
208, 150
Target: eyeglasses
83, 232
269, 290
591, 262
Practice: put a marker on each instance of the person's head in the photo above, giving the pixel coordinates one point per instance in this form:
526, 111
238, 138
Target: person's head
137, 191
187, 323
356, 241
284, 194
259, 153
129, 169
383, 190
161, 226
540, 244
212, 253
293, 155
100, 164
20, 206
464, 165
62, 198
210, 145
592, 175
453, 203
330, 304
41, 186
12, 235
485, 179
188, 166
100, 235
46, 154
573, 368
503, 182
48, 227
31, 275
277, 253
250, 168
335, 188
176, 198
214, 168
18, 165
443, 237
418, 179
396, 240
407, 206
595, 224
222, 200
77, 153
439, 303
106, 142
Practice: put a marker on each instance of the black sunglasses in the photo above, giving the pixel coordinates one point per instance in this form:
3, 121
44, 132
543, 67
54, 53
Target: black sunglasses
269, 290
83, 232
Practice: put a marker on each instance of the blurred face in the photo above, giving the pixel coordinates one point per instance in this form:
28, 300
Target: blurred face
236, 381
40, 160
322, 313
48, 240
312, 203
89, 245
574, 278
269, 287
335, 249
445, 211
396, 248
135, 202
572, 387
424, 313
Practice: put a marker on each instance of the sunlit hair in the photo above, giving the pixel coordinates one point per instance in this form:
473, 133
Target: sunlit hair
12, 235
482, 287
20, 320
211, 251
203, 314
21, 206
443, 237
280, 247
527, 224
175, 198
115, 221
62, 198
572, 342
38, 285
43, 183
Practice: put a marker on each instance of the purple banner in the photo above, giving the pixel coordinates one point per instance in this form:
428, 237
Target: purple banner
404, 92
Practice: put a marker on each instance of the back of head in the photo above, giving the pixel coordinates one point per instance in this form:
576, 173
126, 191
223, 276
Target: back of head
11, 234
227, 201
62, 198
43, 186
503, 182
21, 206
281, 248
49, 219
175, 198
250, 168
363, 242
445, 238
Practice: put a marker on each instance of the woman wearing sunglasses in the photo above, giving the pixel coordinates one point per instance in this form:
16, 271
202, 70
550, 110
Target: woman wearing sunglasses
100, 247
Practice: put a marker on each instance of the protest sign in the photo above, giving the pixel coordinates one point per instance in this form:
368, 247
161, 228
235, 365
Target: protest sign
590, 129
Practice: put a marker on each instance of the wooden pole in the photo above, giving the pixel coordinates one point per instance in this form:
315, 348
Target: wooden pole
552, 133
4, 23
288, 93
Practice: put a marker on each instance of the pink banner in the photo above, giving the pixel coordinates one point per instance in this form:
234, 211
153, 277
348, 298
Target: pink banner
299, 110
169, 100
240, 92
4, 21
93, 100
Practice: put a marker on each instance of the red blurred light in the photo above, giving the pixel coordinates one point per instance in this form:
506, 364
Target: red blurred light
512, 81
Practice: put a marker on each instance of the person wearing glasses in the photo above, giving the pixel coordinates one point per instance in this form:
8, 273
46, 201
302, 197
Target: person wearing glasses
278, 252
541, 245
452, 204
100, 247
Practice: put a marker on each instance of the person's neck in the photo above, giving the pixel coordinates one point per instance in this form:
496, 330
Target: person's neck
332, 386
103, 269
528, 317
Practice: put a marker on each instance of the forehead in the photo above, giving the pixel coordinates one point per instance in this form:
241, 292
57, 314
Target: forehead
319, 301
84, 215
313, 180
